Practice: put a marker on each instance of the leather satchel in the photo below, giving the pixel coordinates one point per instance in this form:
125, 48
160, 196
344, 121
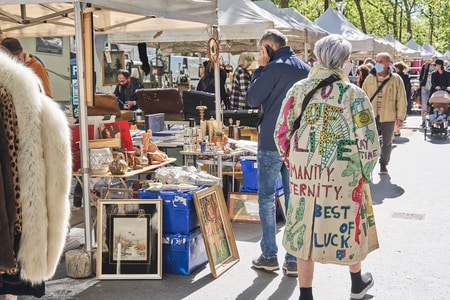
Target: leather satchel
161, 100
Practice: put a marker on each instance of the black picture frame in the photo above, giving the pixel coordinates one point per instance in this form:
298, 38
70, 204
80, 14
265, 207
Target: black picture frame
52, 45
118, 220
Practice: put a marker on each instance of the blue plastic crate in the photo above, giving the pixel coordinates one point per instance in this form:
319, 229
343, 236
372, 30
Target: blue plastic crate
249, 174
179, 215
250, 177
183, 253
146, 194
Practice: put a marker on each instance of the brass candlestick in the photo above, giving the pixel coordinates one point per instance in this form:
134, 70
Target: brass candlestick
201, 110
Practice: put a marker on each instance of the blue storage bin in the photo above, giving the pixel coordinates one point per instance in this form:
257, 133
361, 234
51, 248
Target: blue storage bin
249, 168
249, 174
146, 194
179, 214
183, 253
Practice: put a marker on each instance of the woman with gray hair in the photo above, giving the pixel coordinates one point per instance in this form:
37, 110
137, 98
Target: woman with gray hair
329, 143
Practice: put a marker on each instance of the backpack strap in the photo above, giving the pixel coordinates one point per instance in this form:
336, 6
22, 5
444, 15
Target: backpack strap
380, 87
327, 81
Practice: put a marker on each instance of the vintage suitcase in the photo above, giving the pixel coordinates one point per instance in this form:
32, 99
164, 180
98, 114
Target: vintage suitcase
161, 100
106, 104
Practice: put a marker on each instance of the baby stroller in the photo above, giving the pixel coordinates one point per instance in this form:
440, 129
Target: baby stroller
437, 122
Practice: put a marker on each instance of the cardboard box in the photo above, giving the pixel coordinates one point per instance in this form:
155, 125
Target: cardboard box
183, 253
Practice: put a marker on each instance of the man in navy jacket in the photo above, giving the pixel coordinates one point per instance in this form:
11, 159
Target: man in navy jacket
278, 70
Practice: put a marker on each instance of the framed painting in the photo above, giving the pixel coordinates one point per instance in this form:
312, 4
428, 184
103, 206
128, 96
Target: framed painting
129, 239
216, 229
243, 207
112, 61
53, 45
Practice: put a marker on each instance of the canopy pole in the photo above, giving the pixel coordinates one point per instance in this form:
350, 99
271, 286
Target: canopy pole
78, 10
217, 81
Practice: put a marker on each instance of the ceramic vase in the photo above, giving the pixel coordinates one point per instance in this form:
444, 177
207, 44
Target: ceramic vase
118, 166
99, 160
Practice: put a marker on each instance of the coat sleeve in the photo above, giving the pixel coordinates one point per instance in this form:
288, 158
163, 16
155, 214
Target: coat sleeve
289, 112
58, 165
366, 134
262, 84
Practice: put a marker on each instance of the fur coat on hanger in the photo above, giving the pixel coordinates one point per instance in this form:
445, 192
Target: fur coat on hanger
44, 167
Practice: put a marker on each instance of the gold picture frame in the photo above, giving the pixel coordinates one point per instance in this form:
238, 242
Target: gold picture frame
129, 239
112, 61
216, 229
243, 207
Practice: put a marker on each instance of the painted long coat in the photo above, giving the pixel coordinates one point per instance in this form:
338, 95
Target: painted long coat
330, 158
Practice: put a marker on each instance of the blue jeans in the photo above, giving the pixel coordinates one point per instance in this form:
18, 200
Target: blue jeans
270, 165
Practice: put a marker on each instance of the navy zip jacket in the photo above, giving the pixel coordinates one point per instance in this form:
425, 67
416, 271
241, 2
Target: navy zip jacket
268, 88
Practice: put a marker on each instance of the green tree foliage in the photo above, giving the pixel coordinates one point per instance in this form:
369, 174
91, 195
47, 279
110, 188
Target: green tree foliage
425, 21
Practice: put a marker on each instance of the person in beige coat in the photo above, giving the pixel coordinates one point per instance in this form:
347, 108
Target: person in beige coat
389, 104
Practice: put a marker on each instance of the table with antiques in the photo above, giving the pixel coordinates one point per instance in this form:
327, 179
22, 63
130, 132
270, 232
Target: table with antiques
122, 177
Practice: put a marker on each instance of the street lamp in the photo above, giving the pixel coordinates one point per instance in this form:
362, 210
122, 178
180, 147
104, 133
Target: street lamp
340, 6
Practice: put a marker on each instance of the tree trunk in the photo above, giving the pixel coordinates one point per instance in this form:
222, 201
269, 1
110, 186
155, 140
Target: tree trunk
361, 16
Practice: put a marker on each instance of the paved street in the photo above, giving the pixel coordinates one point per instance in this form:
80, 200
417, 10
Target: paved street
412, 209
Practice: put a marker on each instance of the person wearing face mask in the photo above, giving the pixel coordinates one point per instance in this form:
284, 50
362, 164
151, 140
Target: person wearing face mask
126, 90
387, 94
425, 85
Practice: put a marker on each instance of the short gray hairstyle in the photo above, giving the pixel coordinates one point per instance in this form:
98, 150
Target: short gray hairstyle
332, 51
274, 36
385, 55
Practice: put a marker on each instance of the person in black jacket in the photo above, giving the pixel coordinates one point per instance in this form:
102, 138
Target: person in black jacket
401, 69
126, 90
440, 79
207, 82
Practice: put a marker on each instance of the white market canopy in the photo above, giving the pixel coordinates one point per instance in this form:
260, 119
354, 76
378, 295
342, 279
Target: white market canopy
402, 50
31, 18
240, 25
428, 51
297, 21
314, 32
362, 44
